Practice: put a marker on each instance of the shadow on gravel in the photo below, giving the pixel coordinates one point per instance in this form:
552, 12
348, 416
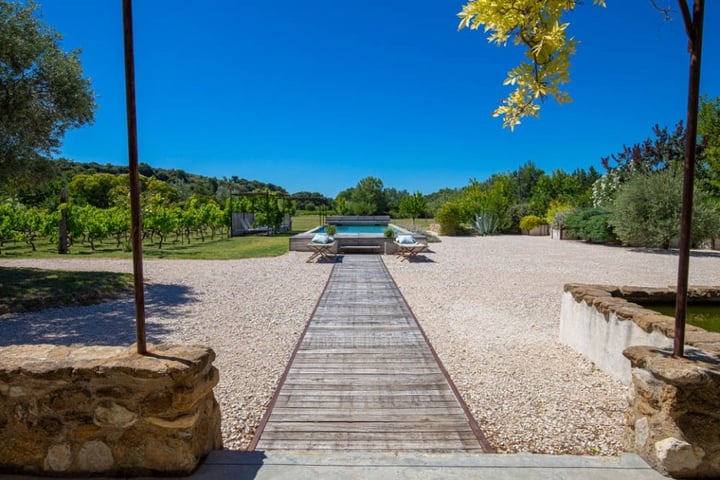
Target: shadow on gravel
674, 252
111, 323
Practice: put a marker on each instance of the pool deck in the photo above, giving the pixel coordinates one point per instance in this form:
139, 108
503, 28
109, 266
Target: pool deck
364, 377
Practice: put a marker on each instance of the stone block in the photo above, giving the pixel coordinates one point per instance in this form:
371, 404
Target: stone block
107, 410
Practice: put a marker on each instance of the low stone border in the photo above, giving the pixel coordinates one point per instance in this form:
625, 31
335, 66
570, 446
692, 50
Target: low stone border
107, 410
601, 321
673, 417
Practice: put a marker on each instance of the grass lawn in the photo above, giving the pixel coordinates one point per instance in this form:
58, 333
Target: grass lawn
24, 289
420, 223
29, 289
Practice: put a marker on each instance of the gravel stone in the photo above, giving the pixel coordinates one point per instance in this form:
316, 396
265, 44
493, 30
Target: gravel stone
489, 305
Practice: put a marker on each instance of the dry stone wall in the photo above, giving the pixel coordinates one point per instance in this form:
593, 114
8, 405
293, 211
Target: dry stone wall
107, 410
674, 414
673, 417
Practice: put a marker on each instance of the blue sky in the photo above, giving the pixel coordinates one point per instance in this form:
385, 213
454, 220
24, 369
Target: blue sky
316, 95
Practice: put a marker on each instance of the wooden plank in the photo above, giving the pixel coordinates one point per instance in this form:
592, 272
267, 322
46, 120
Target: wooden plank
391, 445
364, 436
364, 377
363, 412
385, 426
317, 416
356, 403
390, 397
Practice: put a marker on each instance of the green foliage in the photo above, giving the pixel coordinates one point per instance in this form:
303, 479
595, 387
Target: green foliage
367, 197
450, 216
555, 215
490, 201
486, 223
647, 211
43, 95
591, 224
331, 229
539, 27
341, 205
389, 232
94, 189
709, 131
525, 179
530, 222
414, 206
516, 213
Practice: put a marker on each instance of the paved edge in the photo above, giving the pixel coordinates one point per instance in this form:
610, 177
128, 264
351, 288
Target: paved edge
258, 465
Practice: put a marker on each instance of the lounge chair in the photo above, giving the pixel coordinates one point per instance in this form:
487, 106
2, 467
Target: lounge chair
408, 247
321, 247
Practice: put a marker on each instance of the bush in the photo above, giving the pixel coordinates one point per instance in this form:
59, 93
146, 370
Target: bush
516, 213
591, 224
555, 215
647, 211
529, 222
449, 215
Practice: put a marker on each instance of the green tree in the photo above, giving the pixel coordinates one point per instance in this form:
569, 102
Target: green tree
43, 93
450, 216
162, 221
367, 197
9, 222
413, 206
488, 204
647, 211
95, 189
525, 179
709, 131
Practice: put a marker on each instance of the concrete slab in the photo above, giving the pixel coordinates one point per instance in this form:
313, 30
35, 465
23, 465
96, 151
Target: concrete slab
281, 465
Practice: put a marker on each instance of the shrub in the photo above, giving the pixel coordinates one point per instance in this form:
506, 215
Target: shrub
449, 215
331, 229
529, 222
516, 213
647, 211
555, 214
591, 224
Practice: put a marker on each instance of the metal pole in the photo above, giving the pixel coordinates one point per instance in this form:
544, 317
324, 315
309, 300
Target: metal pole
694, 29
135, 216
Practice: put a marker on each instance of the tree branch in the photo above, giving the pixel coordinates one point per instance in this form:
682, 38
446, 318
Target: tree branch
687, 19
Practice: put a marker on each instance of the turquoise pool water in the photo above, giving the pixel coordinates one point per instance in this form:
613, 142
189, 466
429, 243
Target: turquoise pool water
378, 229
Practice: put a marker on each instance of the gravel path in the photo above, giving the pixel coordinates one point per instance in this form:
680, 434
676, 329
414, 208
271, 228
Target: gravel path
490, 306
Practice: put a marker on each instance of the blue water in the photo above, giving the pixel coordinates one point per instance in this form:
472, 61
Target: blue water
349, 228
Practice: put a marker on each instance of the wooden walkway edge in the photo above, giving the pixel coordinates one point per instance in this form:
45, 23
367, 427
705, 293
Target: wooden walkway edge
363, 376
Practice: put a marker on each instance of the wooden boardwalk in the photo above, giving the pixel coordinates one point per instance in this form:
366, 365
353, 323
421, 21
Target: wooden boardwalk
363, 376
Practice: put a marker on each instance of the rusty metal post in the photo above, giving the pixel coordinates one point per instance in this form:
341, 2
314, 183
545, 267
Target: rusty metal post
135, 213
694, 28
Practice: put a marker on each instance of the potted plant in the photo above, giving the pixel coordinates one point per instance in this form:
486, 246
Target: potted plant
330, 230
389, 234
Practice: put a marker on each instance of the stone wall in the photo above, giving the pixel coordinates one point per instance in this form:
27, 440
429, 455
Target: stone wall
674, 403
601, 321
674, 414
106, 410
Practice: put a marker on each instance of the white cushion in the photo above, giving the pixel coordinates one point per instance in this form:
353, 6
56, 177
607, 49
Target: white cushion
405, 239
322, 238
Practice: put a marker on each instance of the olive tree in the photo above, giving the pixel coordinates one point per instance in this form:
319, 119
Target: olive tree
43, 93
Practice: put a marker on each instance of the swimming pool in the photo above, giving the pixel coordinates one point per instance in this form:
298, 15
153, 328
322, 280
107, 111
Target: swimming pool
358, 228
355, 234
